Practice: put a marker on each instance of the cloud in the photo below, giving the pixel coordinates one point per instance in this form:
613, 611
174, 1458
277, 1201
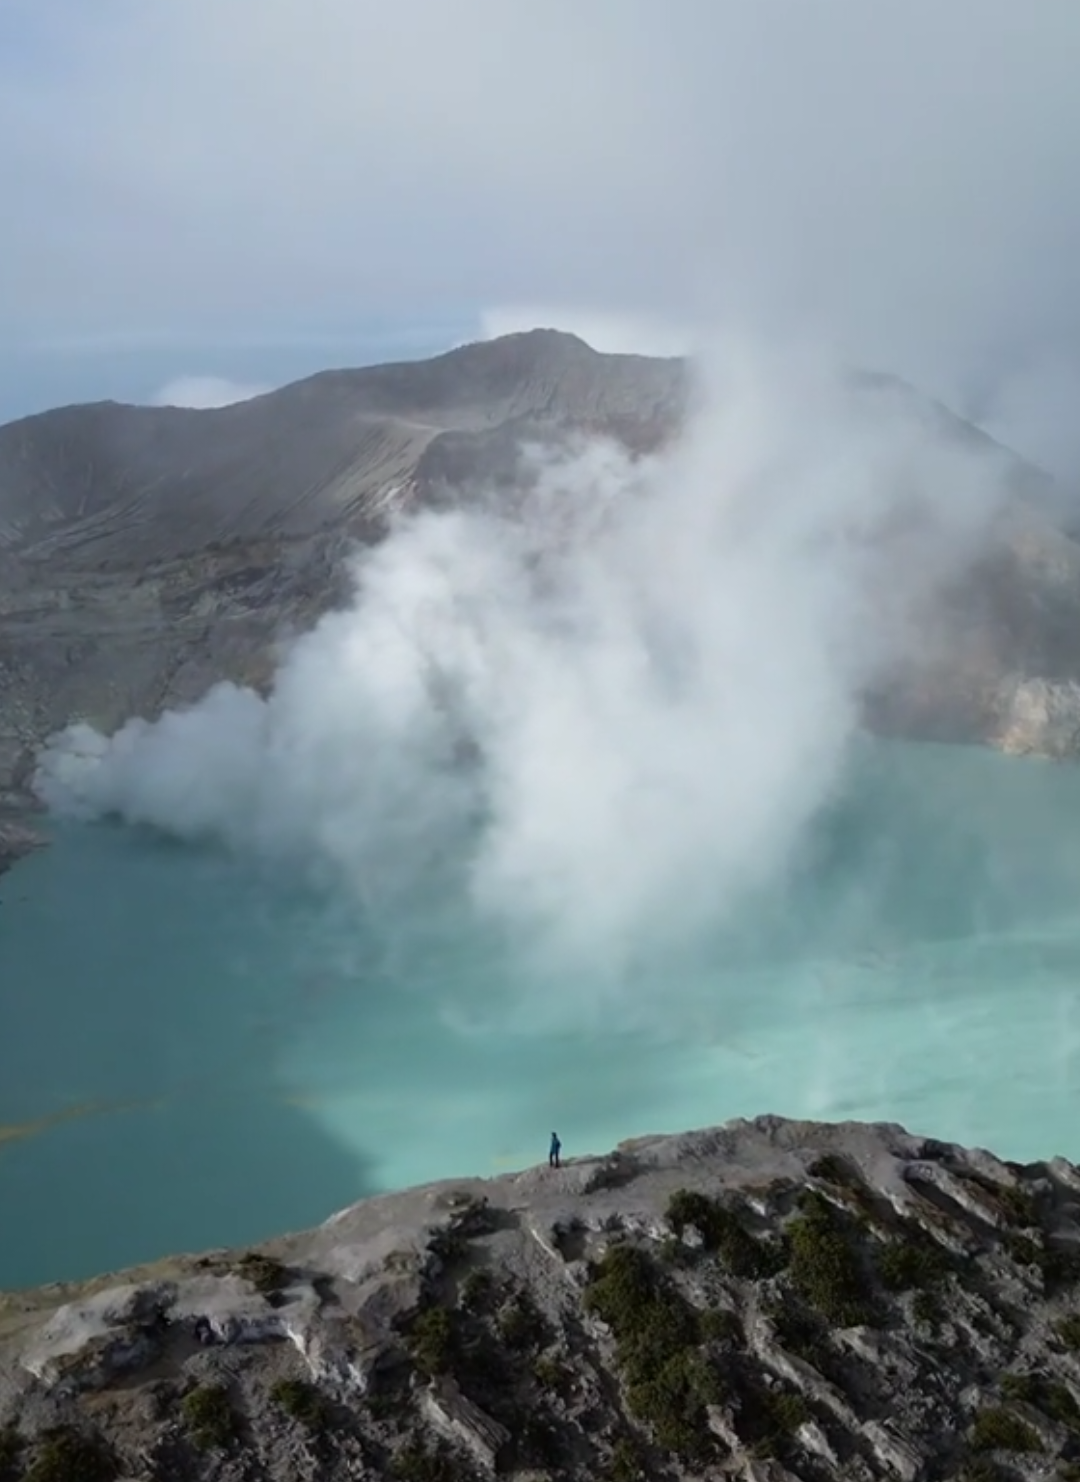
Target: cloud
205, 392
596, 722
842, 169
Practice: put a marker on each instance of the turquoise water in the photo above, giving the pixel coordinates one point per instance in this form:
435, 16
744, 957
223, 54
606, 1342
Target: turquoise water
195, 1051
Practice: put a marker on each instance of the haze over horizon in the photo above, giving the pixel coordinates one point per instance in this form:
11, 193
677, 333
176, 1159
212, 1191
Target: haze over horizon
184, 205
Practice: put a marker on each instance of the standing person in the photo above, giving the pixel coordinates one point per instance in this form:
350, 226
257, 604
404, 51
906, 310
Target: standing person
554, 1151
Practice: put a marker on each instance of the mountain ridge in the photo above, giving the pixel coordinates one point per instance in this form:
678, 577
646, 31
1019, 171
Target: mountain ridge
147, 552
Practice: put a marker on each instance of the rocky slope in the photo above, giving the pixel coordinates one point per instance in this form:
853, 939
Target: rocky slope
765, 1300
16, 840
147, 552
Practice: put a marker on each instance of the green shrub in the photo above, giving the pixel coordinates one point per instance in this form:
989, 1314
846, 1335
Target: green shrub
449, 1244
788, 1410
981, 1469
210, 1416
68, 1455
825, 1270
303, 1402
998, 1429
418, 1461
626, 1464
830, 1168
768, 1418
1023, 1250
1016, 1204
387, 1405
800, 1331
265, 1274
687, 1208
521, 1324
432, 1340
720, 1325
1019, 1387
925, 1308
1068, 1330
670, 1251
472, 1214
11, 1450
538, 1439
723, 1233
1019, 1204
833, 1169
643, 1310
1050, 1396
1060, 1267
671, 1400
485, 1366
477, 1291
552, 1374
912, 1260
657, 1335
1057, 1267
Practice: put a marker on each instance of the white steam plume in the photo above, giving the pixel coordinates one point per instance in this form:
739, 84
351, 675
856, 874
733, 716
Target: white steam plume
203, 393
602, 715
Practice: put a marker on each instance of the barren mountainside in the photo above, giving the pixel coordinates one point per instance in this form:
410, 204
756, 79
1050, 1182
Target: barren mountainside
768, 1300
147, 552
108, 484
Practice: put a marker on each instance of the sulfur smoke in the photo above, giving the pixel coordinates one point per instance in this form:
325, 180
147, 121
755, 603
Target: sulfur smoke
599, 716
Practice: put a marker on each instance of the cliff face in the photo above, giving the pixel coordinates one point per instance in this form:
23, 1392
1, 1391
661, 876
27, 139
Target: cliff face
766, 1300
147, 552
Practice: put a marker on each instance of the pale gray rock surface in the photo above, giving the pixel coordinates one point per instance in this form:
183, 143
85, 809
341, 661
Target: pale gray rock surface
804, 1301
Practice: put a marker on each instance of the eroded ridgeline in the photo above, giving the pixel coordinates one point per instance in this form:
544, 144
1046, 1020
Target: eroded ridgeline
768, 1299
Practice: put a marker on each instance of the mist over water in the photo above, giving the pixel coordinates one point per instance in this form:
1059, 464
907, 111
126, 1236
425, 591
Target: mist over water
600, 711
205, 1051
566, 822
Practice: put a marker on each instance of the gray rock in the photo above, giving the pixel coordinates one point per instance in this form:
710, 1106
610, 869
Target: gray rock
462, 1422
403, 1356
17, 839
893, 1452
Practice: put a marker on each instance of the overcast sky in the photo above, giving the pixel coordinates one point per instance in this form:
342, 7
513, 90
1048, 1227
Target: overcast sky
249, 189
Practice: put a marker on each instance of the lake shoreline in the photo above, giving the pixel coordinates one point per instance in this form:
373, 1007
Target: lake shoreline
18, 838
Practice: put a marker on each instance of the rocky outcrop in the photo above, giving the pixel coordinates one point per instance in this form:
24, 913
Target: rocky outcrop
17, 839
764, 1300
